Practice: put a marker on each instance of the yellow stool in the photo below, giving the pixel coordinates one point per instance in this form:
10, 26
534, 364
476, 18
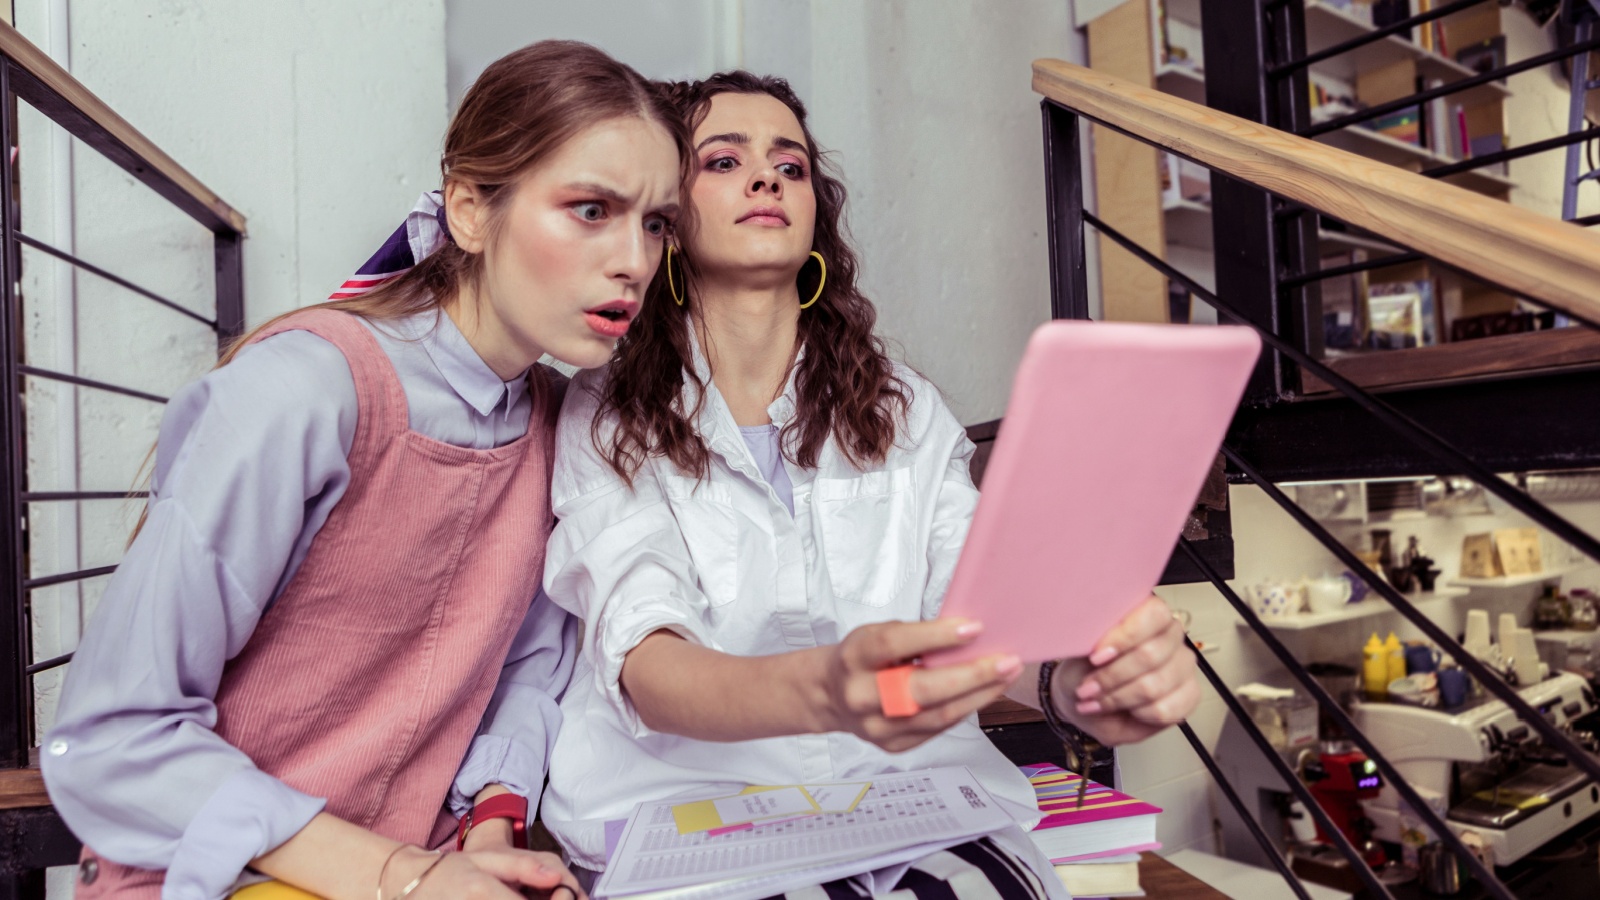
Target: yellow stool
272, 890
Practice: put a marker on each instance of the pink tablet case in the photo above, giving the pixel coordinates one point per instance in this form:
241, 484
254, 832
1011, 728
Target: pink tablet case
1107, 440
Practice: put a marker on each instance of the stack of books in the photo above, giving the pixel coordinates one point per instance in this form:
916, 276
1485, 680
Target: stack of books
1094, 847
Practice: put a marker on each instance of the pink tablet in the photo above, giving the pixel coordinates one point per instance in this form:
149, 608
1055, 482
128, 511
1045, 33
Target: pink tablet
1106, 443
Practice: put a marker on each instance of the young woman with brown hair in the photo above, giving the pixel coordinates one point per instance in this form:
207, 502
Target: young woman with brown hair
346, 531
760, 511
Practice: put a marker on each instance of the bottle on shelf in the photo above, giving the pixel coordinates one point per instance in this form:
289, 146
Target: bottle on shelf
1374, 669
1394, 653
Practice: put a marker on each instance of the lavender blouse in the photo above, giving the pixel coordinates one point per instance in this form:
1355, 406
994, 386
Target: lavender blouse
250, 461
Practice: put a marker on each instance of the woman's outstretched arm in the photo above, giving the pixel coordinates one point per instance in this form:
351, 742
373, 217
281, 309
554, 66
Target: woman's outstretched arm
683, 688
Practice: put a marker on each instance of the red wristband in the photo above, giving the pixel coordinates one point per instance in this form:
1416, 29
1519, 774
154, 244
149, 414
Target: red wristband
500, 806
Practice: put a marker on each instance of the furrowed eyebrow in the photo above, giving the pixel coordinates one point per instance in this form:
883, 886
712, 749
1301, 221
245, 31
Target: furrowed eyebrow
731, 137
600, 190
787, 144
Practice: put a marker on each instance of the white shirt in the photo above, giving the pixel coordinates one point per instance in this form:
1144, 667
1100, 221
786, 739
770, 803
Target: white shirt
723, 563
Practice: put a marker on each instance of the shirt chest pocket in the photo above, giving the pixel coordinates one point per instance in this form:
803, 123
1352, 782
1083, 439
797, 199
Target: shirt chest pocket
869, 534
711, 529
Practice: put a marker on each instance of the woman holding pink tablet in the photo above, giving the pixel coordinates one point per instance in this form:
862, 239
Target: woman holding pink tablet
760, 513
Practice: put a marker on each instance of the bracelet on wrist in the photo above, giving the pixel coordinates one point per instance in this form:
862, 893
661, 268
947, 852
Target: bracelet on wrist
438, 857
500, 806
1071, 737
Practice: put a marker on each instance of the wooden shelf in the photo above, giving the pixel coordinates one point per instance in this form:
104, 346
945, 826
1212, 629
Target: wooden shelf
1344, 240
22, 789
1511, 581
1386, 149
1181, 81
1558, 348
1374, 606
1327, 26
1188, 223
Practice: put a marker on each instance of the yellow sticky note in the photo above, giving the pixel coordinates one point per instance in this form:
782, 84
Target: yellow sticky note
746, 807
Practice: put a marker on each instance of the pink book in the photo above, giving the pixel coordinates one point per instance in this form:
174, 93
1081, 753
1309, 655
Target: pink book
1108, 823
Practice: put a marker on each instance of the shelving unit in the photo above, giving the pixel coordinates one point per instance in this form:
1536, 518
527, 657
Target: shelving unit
1188, 223
1511, 581
1181, 81
1386, 149
1327, 26
1365, 609
1343, 240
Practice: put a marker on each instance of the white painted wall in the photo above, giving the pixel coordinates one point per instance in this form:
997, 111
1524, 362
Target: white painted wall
927, 108
320, 122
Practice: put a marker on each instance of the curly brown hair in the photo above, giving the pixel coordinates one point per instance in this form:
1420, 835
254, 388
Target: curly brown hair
845, 383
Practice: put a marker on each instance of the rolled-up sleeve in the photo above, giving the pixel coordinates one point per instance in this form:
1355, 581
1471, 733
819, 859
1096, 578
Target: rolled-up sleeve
617, 559
247, 458
512, 747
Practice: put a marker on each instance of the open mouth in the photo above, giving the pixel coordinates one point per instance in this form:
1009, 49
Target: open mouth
611, 320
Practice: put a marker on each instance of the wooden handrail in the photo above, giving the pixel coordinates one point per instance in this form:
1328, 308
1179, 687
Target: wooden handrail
1542, 258
33, 63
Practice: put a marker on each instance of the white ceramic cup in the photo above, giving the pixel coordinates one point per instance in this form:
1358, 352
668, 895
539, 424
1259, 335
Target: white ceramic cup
1525, 657
1406, 690
1507, 634
1277, 599
1477, 638
1327, 594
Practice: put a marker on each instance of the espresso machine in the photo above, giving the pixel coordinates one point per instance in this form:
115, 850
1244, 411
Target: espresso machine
1340, 778
1489, 771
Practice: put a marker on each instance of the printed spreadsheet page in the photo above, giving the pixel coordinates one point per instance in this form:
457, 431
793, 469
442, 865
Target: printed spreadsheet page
919, 812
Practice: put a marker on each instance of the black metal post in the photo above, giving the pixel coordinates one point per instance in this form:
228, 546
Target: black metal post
1265, 843
230, 287
1242, 227
15, 654
1292, 781
1063, 190
1298, 250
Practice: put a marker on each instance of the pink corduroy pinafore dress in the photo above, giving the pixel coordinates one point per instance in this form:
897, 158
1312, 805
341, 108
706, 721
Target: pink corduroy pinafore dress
366, 679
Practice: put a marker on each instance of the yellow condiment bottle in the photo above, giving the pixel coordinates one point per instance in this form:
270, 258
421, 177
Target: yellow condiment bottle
1395, 653
1374, 669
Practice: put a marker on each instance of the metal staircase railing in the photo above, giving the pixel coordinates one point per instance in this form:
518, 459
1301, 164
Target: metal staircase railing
1553, 263
31, 836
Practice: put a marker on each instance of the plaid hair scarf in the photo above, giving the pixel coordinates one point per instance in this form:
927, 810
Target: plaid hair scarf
423, 232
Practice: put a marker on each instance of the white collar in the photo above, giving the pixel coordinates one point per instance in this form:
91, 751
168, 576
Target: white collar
463, 369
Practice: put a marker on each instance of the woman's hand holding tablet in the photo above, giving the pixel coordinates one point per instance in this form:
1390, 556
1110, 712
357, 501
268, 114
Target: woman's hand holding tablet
1139, 679
938, 698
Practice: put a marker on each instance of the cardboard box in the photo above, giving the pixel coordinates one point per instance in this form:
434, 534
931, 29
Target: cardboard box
1478, 559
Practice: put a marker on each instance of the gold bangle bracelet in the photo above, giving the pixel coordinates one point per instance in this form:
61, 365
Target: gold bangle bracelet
438, 857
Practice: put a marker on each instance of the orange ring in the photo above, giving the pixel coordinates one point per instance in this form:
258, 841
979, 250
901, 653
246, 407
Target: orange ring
894, 693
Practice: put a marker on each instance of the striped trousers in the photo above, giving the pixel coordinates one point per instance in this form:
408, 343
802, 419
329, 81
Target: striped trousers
976, 870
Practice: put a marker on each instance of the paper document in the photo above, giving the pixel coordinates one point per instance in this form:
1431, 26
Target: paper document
899, 817
762, 804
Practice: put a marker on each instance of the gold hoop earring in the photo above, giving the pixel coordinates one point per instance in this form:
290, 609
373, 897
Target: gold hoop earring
671, 287
820, 281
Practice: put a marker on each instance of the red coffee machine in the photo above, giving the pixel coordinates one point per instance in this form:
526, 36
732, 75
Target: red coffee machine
1340, 778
